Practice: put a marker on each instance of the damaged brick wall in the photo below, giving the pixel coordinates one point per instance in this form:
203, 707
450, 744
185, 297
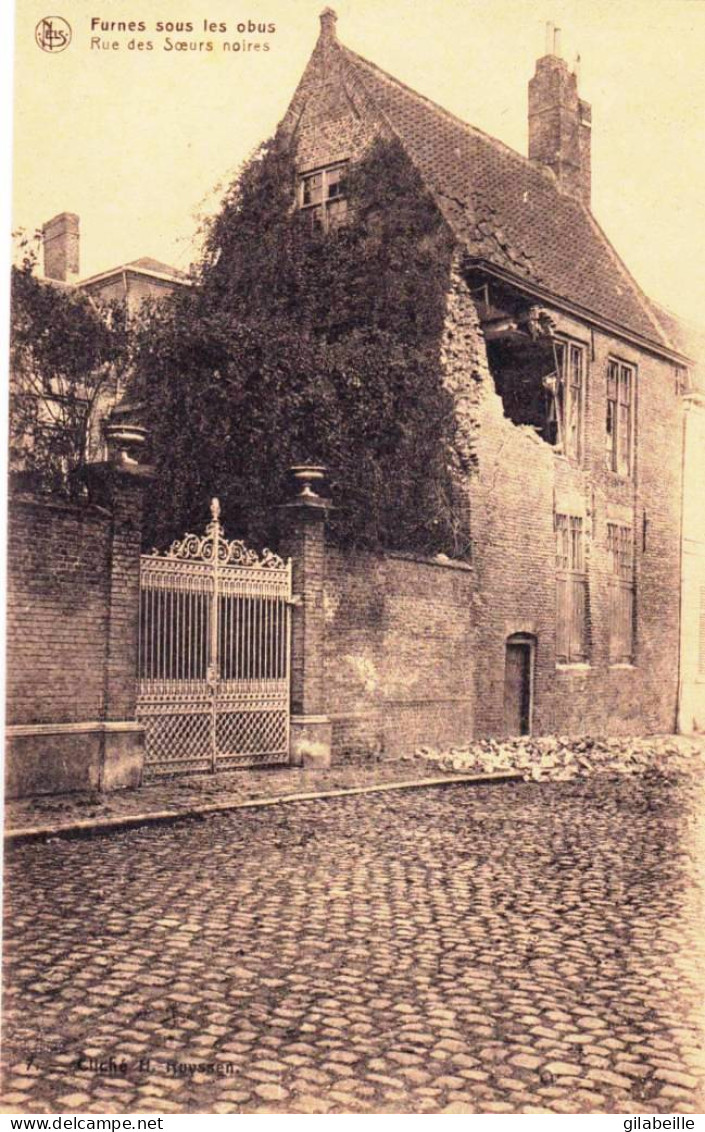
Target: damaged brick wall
512, 482
518, 483
398, 653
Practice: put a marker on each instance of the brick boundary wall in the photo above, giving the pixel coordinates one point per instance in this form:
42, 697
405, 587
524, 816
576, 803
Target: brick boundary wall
398, 653
72, 622
382, 647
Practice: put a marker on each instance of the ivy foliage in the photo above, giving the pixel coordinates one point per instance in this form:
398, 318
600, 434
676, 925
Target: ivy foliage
65, 352
298, 347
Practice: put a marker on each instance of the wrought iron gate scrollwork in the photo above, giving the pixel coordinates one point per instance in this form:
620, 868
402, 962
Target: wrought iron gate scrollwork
214, 654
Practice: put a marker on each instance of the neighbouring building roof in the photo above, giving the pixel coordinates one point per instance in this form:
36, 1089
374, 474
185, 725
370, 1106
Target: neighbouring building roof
153, 268
504, 209
688, 339
155, 265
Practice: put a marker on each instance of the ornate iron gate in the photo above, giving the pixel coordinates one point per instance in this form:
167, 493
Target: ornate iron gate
214, 650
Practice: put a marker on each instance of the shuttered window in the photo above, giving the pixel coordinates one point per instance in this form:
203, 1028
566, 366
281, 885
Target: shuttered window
571, 590
620, 558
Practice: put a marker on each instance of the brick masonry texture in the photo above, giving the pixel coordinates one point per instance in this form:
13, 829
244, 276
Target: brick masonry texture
398, 653
58, 596
73, 601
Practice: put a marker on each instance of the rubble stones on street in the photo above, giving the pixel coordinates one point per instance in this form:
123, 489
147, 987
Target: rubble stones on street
517, 947
562, 758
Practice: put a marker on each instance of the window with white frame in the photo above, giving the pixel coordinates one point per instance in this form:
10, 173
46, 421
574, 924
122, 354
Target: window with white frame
571, 590
619, 427
322, 197
620, 559
566, 389
570, 396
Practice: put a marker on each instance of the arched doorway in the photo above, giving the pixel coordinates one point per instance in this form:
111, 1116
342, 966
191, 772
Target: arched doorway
519, 683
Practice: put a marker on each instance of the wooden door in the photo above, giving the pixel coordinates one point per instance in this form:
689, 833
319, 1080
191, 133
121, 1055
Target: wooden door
517, 688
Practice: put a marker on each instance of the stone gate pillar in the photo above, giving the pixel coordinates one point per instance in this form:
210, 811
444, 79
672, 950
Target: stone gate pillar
119, 484
303, 539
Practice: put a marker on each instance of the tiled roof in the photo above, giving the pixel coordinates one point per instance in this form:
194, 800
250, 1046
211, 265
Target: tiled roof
505, 210
146, 263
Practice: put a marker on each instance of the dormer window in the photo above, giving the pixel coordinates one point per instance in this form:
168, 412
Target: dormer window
322, 197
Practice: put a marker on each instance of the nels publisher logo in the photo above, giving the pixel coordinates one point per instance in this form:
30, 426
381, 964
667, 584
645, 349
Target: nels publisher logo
53, 34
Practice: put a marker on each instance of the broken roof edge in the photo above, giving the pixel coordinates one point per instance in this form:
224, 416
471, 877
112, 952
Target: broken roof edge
536, 290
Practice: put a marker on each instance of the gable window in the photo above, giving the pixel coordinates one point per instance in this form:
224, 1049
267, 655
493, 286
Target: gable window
618, 425
571, 590
620, 558
322, 197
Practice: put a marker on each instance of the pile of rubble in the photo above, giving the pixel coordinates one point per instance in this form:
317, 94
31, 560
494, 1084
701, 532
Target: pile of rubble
560, 758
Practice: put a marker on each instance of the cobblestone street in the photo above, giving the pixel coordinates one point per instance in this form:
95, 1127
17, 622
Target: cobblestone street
507, 948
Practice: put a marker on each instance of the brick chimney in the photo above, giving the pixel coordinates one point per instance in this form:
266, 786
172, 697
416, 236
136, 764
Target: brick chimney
560, 121
60, 242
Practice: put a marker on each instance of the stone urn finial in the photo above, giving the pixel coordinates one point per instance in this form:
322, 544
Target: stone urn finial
304, 476
124, 442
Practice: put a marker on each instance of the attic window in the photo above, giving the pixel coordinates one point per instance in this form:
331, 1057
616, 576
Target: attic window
322, 197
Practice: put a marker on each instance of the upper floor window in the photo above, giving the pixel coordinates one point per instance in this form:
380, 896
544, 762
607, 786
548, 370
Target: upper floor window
571, 590
567, 399
322, 197
619, 422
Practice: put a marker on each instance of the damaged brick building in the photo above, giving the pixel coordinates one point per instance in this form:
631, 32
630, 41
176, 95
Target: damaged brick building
580, 605
568, 384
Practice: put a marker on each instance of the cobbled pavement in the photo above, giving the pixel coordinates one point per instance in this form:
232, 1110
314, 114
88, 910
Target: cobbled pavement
522, 947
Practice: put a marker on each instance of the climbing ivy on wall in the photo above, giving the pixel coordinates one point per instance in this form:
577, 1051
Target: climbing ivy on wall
295, 346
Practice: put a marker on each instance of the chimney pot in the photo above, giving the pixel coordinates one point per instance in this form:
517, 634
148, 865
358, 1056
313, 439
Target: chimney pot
60, 243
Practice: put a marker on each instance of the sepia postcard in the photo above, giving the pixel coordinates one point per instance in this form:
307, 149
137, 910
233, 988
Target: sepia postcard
355, 561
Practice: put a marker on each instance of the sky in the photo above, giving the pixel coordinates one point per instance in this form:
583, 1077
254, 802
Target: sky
140, 144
